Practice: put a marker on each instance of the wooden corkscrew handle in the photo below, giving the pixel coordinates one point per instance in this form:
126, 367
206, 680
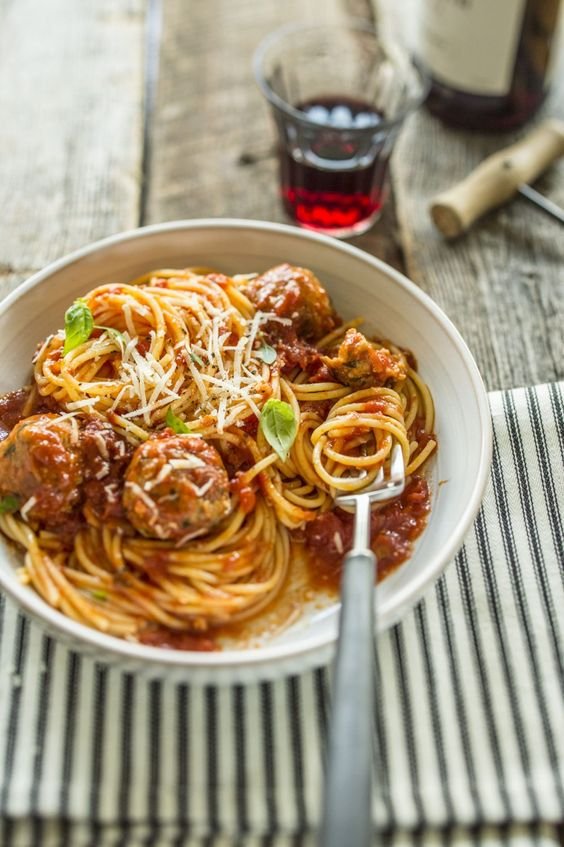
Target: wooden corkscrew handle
497, 179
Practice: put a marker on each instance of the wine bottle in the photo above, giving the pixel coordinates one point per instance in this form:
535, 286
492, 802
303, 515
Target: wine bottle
490, 61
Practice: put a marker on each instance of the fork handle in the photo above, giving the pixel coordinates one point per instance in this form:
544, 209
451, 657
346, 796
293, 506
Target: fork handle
347, 806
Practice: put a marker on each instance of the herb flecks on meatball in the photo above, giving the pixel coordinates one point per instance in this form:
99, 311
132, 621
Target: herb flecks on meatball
40, 465
361, 364
105, 456
176, 487
294, 293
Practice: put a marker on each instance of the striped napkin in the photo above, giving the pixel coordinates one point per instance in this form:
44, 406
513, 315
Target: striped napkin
469, 720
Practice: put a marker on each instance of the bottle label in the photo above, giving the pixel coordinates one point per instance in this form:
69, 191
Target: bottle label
471, 45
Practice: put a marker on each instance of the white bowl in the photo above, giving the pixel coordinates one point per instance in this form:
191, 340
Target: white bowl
359, 285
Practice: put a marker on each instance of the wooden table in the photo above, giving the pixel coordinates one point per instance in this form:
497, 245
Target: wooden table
120, 113
126, 112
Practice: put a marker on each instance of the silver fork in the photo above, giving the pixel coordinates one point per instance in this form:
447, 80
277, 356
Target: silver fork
347, 803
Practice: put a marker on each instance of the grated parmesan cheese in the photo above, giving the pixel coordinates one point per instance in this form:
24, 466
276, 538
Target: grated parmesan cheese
217, 378
203, 489
74, 430
189, 536
89, 402
338, 541
138, 491
111, 493
42, 349
189, 463
146, 410
161, 476
29, 504
148, 382
102, 446
60, 418
70, 416
221, 410
126, 310
144, 311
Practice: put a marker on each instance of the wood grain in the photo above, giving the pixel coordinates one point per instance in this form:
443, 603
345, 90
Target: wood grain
70, 135
213, 149
503, 282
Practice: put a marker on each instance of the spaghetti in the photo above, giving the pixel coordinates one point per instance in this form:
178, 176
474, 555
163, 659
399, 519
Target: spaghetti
181, 432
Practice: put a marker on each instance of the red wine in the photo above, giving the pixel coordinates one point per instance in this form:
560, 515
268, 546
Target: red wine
338, 181
489, 59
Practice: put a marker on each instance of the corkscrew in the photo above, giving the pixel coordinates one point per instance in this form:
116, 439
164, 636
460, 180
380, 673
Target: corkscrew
499, 178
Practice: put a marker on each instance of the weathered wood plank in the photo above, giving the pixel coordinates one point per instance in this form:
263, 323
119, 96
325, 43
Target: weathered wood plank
213, 152
502, 283
71, 131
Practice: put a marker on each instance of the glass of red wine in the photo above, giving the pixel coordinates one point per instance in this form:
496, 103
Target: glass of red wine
339, 96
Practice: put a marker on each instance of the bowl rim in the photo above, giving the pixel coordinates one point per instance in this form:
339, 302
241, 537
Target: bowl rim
405, 598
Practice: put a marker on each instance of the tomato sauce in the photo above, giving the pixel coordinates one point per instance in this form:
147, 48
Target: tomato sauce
11, 409
244, 491
393, 530
143, 346
378, 406
15, 403
318, 407
219, 279
250, 425
292, 352
177, 640
419, 434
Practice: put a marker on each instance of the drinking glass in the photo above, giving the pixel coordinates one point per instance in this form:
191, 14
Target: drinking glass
339, 95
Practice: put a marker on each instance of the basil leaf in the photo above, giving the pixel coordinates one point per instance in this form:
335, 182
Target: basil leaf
79, 324
174, 422
99, 595
196, 359
9, 504
279, 426
267, 353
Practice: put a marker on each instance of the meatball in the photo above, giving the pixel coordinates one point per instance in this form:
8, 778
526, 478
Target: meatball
40, 458
295, 293
175, 486
361, 364
11, 410
106, 456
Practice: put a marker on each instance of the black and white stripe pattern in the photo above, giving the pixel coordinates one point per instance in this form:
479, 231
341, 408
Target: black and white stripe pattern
470, 709
79, 834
